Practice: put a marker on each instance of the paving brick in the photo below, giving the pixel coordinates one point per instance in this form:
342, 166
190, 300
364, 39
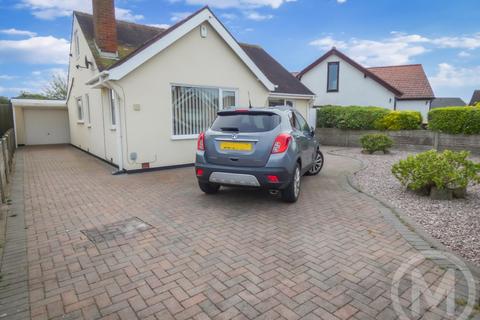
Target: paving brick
238, 255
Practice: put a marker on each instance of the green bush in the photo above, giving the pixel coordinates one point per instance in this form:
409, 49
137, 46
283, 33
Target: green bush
455, 120
400, 120
443, 170
376, 142
352, 117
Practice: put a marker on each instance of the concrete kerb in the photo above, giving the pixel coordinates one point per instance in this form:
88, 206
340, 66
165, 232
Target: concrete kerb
413, 232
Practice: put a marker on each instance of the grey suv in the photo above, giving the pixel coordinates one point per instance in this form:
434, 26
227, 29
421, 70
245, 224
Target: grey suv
267, 148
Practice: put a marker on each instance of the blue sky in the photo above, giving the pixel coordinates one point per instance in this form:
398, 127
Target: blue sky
443, 35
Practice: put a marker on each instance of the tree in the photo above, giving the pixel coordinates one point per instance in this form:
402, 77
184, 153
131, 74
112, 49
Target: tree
29, 95
57, 88
4, 100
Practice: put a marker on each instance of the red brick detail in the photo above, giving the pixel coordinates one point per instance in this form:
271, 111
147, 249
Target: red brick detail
104, 25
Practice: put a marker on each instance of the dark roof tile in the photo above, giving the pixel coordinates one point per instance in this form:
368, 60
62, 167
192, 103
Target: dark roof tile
447, 102
475, 98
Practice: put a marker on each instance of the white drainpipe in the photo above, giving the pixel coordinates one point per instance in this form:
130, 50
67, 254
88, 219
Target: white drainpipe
118, 129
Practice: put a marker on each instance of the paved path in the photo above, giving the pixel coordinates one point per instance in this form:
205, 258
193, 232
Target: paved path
157, 248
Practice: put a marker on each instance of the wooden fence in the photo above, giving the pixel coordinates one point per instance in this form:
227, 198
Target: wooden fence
7, 151
6, 118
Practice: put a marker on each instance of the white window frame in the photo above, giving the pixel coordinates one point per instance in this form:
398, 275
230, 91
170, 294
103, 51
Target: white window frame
76, 44
220, 106
284, 101
80, 110
113, 105
87, 104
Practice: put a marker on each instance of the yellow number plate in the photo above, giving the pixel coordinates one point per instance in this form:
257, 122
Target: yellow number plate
236, 146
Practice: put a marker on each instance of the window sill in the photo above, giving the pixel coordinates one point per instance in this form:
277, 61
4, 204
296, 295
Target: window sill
113, 128
80, 122
185, 137
89, 126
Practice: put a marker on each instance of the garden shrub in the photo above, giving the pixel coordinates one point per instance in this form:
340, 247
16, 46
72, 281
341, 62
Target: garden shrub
376, 142
455, 120
352, 117
400, 120
443, 170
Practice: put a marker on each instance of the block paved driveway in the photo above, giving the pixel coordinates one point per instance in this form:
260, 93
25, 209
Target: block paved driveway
235, 255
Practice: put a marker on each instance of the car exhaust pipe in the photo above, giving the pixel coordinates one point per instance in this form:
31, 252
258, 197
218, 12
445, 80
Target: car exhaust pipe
274, 192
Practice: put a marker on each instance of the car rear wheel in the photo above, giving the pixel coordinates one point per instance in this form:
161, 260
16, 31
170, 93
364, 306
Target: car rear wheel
292, 192
317, 164
209, 188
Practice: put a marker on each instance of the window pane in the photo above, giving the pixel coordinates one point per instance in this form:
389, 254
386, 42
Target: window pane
79, 109
302, 124
333, 76
246, 122
228, 98
194, 109
289, 103
272, 102
87, 103
112, 107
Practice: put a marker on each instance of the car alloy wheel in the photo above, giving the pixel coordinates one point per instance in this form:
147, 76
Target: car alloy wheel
317, 164
296, 182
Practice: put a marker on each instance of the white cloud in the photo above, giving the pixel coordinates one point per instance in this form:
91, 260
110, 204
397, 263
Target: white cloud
160, 25
341, 1
241, 4
6, 77
52, 9
35, 50
177, 16
450, 76
16, 32
127, 15
399, 48
256, 16
228, 16
390, 51
464, 42
464, 54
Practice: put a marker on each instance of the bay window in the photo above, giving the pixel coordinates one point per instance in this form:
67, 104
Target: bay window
195, 108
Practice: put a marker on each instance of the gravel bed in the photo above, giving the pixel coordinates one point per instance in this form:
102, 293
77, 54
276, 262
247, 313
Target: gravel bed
455, 223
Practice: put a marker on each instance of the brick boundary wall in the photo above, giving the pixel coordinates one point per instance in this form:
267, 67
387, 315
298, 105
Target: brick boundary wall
405, 139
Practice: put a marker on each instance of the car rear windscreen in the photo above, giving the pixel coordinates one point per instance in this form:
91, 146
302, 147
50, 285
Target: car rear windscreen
250, 122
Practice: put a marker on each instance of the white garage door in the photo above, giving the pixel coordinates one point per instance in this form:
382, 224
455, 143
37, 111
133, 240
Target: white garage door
46, 127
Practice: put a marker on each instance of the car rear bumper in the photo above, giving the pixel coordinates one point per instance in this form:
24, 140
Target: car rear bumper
243, 176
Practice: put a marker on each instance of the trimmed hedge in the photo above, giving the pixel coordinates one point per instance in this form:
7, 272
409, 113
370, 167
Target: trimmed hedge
352, 117
400, 120
455, 120
367, 118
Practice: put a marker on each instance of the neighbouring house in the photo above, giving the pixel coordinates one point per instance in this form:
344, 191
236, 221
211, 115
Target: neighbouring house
337, 79
475, 98
38, 122
140, 95
447, 102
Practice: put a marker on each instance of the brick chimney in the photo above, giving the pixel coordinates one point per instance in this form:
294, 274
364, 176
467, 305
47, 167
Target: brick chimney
105, 27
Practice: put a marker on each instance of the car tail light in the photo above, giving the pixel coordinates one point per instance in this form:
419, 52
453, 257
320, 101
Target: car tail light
281, 143
201, 142
273, 179
199, 172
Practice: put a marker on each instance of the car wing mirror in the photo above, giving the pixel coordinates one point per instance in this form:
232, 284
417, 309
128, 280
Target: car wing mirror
312, 131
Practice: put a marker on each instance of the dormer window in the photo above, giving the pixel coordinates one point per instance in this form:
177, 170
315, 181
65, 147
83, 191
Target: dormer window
332, 76
76, 44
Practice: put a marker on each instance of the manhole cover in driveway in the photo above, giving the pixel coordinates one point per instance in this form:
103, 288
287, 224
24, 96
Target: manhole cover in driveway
123, 228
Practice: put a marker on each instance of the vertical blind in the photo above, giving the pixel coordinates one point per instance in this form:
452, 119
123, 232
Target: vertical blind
194, 109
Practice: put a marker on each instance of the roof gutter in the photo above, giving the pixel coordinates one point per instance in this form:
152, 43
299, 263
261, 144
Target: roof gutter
292, 95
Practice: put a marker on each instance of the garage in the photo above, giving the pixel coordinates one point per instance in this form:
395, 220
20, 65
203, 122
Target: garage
40, 122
